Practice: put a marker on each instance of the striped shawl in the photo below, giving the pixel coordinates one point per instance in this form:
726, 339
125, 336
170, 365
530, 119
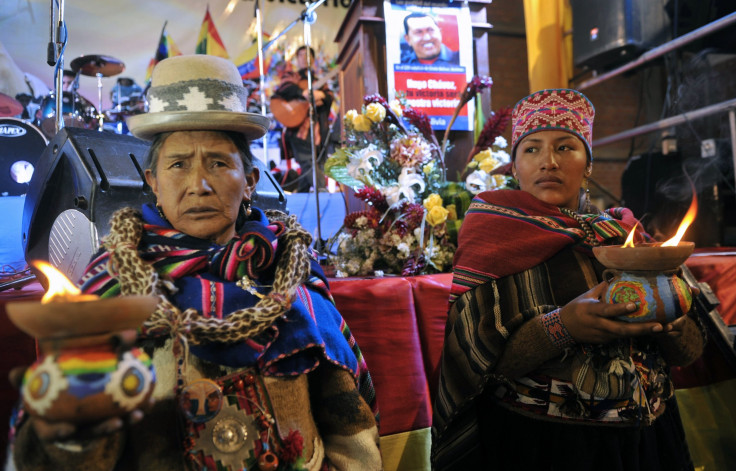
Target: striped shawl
517, 258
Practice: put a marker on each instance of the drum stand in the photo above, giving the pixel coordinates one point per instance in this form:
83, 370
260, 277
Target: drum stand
100, 115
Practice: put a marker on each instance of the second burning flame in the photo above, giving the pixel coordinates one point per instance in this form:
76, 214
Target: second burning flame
684, 225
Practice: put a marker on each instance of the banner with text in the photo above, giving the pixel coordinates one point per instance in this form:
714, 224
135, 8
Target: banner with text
429, 54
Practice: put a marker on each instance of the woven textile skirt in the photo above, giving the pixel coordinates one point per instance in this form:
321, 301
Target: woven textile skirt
511, 441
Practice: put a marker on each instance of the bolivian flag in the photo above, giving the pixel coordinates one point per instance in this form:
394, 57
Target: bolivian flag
209, 41
166, 48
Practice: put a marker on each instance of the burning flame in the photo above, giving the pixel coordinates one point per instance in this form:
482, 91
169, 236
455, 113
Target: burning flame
686, 221
630, 240
60, 288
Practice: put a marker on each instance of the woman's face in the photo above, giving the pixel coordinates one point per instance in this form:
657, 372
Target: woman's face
551, 165
200, 184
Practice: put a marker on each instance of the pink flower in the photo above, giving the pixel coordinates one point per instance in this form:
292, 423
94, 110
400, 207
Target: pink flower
375, 98
410, 150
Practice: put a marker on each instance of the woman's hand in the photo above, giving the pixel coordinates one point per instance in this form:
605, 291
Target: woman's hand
590, 320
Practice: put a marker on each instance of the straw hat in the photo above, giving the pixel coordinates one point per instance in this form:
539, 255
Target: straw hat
547, 110
197, 93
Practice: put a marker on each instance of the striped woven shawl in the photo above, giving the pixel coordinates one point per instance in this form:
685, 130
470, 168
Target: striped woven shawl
508, 231
517, 258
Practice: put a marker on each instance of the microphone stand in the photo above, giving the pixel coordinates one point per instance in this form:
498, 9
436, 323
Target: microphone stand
60, 42
261, 79
308, 20
308, 16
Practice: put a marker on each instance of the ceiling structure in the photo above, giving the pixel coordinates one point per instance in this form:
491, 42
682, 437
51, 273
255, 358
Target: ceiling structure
129, 31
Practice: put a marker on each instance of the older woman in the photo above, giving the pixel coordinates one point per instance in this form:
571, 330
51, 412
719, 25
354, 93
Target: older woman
256, 369
537, 372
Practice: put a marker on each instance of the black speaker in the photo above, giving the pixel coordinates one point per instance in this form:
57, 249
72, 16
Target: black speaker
21, 144
82, 178
607, 33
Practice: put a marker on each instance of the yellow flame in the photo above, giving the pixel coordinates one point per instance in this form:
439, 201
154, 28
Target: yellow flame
630, 240
59, 285
686, 221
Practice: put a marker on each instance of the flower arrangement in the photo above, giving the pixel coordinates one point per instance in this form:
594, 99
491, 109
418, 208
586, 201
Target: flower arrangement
392, 159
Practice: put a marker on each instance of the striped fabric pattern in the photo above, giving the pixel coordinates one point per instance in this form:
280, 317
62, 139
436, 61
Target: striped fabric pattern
499, 238
479, 324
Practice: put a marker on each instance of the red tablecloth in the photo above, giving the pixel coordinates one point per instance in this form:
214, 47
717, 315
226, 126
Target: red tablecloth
17, 349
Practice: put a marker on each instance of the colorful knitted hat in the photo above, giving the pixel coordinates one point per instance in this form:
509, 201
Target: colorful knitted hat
550, 110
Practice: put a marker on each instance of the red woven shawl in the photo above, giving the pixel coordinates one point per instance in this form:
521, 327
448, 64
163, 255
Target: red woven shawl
509, 231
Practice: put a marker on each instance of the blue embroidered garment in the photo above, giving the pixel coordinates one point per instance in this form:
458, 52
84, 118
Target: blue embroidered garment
205, 274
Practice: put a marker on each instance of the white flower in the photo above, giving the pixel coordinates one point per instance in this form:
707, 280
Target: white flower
363, 162
502, 156
405, 189
392, 194
403, 249
500, 141
477, 182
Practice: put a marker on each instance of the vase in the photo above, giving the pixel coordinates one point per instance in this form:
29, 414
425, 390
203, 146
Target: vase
87, 369
647, 275
661, 296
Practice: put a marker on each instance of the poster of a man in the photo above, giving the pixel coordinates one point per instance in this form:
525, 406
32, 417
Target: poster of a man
424, 37
429, 52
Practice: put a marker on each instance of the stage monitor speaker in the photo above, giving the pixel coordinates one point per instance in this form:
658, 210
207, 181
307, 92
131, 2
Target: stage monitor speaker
82, 178
607, 33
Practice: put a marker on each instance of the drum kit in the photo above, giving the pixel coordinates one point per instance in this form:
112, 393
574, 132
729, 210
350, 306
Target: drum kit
77, 111
26, 126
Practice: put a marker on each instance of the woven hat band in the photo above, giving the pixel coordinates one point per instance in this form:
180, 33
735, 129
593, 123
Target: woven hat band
198, 95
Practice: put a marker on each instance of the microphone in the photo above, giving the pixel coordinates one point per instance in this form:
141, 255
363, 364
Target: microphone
51, 54
51, 48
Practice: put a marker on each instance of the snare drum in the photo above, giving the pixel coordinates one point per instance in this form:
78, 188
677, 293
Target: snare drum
78, 112
21, 145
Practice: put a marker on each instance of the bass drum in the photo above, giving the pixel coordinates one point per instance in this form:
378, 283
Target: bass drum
21, 145
78, 112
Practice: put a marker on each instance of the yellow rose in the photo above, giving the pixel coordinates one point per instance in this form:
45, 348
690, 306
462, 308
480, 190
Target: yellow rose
452, 212
432, 200
482, 155
396, 108
437, 215
488, 164
350, 115
361, 123
375, 112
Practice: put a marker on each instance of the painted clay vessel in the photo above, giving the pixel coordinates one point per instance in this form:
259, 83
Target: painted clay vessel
647, 274
87, 369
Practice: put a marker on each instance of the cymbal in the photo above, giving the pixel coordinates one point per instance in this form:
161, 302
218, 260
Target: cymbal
9, 106
94, 64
